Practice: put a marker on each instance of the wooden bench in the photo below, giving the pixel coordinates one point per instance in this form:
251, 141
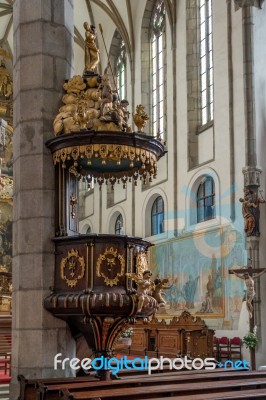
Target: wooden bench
243, 394
50, 392
29, 387
149, 392
49, 389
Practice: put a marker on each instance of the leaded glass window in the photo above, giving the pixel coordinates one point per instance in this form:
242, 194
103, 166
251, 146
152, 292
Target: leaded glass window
158, 56
206, 61
119, 225
157, 216
206, 200
121, 72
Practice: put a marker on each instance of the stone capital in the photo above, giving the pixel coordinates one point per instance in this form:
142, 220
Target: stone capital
243, 3
251, 176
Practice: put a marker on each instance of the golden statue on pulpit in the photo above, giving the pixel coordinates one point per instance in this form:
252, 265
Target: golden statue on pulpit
91, 51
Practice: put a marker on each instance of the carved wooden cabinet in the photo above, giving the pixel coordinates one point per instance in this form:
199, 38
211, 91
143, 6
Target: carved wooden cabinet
182, 336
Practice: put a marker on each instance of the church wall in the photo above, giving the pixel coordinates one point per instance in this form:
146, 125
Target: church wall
218, 243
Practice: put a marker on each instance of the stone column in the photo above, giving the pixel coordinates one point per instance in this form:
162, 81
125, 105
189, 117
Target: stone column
251, 172
43, 38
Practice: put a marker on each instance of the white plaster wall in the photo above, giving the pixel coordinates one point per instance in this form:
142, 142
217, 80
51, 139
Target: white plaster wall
206, 145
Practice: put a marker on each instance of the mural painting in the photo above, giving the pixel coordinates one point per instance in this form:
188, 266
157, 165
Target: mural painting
196, 267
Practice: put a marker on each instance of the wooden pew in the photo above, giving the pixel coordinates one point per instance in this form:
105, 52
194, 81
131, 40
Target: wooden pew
181, 384
50, 392
243, 394
167, 390
48, 389
29, 387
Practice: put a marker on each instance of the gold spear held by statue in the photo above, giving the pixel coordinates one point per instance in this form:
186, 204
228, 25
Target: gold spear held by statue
109, 63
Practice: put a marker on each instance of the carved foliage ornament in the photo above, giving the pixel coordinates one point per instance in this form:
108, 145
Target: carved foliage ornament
110, 266
141, 263
6, 84
6, 188
72, 268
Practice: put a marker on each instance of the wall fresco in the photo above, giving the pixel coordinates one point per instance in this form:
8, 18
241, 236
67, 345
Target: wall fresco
196, 266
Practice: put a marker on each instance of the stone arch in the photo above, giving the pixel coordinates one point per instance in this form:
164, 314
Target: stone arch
85, 226
112, 219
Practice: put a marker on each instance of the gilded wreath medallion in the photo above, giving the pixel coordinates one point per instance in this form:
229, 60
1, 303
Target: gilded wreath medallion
110, 266
72, 268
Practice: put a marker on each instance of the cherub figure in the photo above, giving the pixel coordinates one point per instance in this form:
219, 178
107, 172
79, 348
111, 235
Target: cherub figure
158, 293
250, 290
140, 117
144, 286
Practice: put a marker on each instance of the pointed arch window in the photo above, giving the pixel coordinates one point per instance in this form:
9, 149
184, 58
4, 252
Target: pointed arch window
206, 61
206, 200
119, 225
157, 216
121, 71
158, 56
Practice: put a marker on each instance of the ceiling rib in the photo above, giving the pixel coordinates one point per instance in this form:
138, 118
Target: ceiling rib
6, 6
79, 38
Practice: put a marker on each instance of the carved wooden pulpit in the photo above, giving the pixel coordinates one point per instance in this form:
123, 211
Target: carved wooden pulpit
93, 290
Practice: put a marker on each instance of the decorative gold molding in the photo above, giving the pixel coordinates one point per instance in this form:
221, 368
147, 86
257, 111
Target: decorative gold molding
71, 262
106, 152
6, 188
111, 263
140, 162
141, 263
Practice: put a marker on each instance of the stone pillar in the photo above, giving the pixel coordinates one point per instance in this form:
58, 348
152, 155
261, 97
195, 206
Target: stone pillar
251, 172
43, 38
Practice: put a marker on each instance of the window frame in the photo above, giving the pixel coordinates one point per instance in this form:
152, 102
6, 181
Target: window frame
118, 220
157, 51
121, 71
157, 228
205, 198
206, 64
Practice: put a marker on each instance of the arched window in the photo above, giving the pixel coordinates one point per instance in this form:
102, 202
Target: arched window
206, 200
206, 61
119, 225
157, 216
121, 71
88, 229
157, 62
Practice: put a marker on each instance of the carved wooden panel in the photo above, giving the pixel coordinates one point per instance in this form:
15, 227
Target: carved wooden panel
139, 341
169, 342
